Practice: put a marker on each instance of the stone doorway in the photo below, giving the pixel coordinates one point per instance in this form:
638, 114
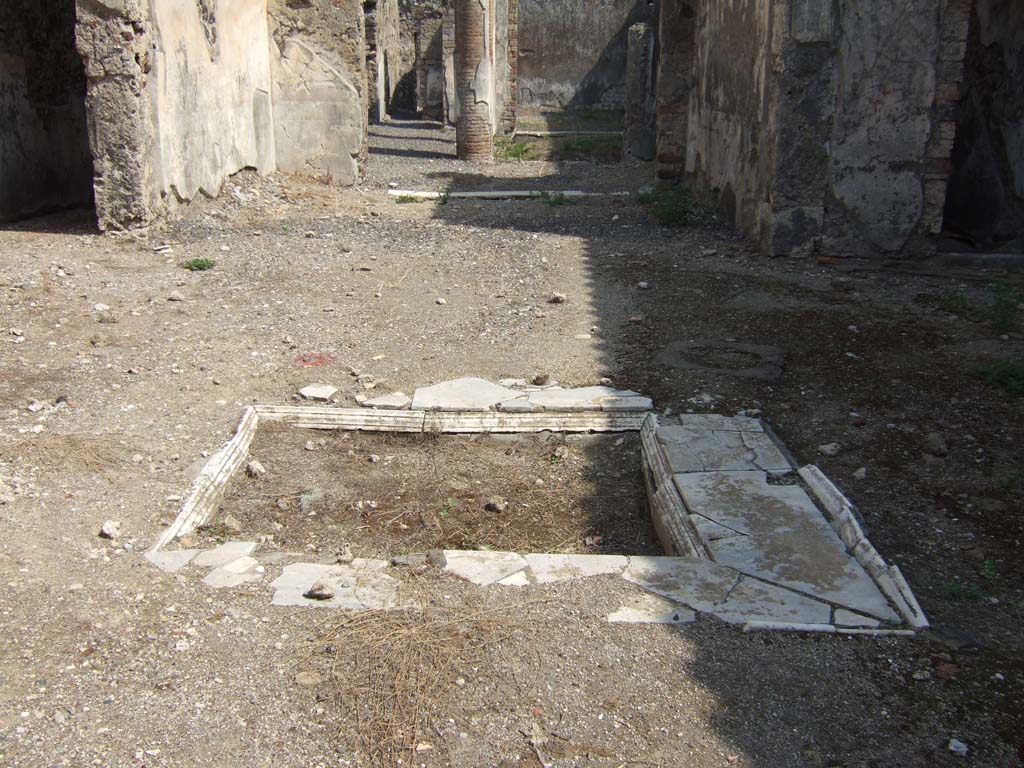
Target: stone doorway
45, 161
985, 198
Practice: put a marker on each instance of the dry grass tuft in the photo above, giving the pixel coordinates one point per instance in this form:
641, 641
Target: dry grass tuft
395, 672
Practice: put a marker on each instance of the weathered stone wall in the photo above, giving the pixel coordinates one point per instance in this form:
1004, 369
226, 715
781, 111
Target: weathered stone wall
677, 45
320, 87
507, 122
813, 123
730, 146
114, 41
383, 55
404, 100
639, 136
45, 161
985, 202
211, 89
573, 54
430, 62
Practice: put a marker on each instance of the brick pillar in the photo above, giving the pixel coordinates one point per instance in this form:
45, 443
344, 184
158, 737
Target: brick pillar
473, 136
639, 137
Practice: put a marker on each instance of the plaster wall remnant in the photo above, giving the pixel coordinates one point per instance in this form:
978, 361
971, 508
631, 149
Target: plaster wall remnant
639, 140
573, 54
45, 161
212, 113
383, 55
814, 124
473, 81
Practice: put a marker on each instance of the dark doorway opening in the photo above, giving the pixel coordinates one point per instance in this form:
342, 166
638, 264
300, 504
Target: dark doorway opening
45, 162
985, 197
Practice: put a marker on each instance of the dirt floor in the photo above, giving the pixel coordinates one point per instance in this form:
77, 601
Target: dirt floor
121, 371
379, 495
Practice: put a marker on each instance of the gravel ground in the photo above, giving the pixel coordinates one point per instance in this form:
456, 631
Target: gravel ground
105, 661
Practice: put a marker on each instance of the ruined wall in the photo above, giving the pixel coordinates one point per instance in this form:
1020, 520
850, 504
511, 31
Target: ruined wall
211, 89
677, 45
383, 55
730, 144
816, 124
985, 202
507, 122
430, 61
45, 161
573, 54
638, 136
318, 59
113, 39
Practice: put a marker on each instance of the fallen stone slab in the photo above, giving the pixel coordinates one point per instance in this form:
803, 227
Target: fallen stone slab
359, 586
808, 562
651, 609
483, 567
467, 394
627, 404
691, 449
582, 398
318, 392
233, 574
547, 569
172, 560
396, 401
227, 552
718, 422
519, 405
844, 618
720, 591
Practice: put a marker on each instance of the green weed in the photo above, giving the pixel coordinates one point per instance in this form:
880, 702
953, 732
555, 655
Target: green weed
588, 148
406, 199
553, 198
198, 265
1005, 374
508, 150
672, 207
957, 590
1004, 309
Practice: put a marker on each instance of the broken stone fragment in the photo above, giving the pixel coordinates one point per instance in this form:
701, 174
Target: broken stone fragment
111, 529
175, 296
319, 591
396, 401
497, 504
935, 444
255, 469
830, 449
319, 392
411, 560
557, 298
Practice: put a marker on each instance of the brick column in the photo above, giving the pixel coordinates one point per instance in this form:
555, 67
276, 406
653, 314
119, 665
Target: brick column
473, 136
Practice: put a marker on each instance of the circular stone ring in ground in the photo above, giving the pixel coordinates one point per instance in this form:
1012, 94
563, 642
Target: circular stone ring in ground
754, 361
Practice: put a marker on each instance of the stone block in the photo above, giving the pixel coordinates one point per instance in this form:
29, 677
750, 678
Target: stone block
227, 552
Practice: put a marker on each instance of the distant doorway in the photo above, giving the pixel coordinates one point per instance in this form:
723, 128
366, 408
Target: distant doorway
45, 162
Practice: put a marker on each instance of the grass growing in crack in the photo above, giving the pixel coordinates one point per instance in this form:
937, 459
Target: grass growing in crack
198, 265
588, 148
957, 590
671, 207
1005, 306
1005, 374
553, 198
508, 150
1002, 312
405, 199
